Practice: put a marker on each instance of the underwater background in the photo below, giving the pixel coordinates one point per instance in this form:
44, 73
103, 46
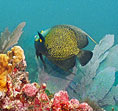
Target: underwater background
97, 18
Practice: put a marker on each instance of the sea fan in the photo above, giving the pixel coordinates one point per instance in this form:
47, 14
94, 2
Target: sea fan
97, 79
8, 39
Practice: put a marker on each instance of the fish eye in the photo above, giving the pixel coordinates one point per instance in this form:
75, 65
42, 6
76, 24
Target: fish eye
36, 37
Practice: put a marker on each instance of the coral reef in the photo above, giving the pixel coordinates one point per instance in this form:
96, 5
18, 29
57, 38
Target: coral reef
5, 68
16, 55
61, 102
8, 65
21, 95
7, 39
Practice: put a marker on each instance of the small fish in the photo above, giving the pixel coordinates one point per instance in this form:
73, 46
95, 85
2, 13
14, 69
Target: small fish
62, 44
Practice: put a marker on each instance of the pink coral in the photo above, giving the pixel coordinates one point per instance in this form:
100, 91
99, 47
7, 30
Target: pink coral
61, 96
75, 103
30, 90
43, 97
61, 101
13, 105
84, 107
42, 102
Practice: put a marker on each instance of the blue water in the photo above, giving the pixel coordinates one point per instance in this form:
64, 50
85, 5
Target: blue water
96, 17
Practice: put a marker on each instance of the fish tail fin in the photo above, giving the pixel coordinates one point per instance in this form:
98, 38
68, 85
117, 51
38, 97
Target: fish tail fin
84, 56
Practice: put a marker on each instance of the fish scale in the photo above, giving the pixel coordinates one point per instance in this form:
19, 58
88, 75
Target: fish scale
61, 43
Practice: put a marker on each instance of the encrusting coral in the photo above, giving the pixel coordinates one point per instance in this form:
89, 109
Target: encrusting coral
16, 55
7, 64
5, 68
21, 95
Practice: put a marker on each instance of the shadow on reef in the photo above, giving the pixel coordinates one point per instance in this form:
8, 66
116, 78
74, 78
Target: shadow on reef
52, 68
52, 75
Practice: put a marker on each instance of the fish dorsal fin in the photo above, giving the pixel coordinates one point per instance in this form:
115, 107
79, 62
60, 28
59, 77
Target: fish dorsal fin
45, 32
41, 37
82, 36
90, 37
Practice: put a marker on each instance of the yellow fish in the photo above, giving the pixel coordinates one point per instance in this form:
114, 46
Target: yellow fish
62, 44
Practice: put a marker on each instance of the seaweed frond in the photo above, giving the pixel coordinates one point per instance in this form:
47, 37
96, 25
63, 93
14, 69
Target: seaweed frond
7, 39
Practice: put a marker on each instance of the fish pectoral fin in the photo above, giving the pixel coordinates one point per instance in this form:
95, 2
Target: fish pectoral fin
41, 57
37, 54
84, 56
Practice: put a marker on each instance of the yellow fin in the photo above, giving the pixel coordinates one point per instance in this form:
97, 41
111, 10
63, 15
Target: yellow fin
92, 39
